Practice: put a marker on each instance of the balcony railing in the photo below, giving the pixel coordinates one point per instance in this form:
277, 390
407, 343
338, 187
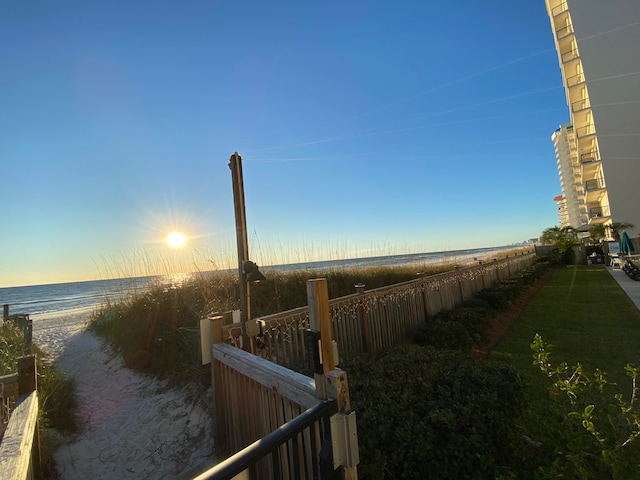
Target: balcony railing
596, 184
597, 212
570, 55
575, 80
586, 130
580, 105
564, 31
559, 9
588, 157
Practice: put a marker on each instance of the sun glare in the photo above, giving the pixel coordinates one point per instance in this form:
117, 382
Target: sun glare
176, 239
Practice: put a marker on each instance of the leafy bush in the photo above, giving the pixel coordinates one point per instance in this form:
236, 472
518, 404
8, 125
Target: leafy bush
498, 298
604, 427
445, 334
433, 413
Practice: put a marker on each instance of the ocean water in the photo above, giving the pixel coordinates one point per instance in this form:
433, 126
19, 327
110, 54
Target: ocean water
46, 300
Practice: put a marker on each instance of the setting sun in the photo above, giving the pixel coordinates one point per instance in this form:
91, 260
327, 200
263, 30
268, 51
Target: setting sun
176, 239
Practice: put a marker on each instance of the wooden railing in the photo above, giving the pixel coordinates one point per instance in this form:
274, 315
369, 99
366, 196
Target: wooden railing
20, 447
253, 398
371, 320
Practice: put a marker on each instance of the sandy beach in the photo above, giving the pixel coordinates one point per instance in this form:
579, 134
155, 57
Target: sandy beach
132, 426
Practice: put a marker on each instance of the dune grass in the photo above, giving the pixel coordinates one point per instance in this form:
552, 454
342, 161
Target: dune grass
157, 331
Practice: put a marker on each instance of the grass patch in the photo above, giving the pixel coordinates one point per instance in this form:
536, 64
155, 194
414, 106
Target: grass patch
586, 315
588, 318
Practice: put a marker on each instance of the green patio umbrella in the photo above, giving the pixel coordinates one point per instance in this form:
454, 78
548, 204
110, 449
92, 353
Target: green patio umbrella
626, 245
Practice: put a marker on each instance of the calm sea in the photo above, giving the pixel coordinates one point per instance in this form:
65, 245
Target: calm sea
44, 300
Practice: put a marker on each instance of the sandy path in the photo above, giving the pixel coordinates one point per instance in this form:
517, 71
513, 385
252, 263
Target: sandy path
132, 425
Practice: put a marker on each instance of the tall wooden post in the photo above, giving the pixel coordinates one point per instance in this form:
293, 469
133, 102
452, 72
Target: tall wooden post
235, 164
5, 312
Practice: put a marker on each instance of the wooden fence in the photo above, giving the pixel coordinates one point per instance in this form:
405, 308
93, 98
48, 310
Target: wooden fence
254, 397
371, 320
20, 447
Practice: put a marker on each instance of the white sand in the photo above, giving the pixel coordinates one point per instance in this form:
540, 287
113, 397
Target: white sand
132, 426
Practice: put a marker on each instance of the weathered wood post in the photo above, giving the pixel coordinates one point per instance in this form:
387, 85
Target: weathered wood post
217, 394
5, 312
364, 320
27, 384
332, 382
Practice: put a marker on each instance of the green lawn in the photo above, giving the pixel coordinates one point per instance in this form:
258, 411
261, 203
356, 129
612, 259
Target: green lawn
588, 318
585, 314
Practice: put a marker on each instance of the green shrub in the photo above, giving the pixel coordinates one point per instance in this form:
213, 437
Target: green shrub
445, 334
498, 298
427, 413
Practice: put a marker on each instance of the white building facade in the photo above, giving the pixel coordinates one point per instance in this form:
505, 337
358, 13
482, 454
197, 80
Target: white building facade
598, 45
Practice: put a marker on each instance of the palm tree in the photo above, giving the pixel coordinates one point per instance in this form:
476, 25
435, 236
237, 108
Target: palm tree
564, 238
616, 229
597, 232
559, 236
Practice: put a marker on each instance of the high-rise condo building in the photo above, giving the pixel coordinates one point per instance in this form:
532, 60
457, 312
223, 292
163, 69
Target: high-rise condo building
598, 152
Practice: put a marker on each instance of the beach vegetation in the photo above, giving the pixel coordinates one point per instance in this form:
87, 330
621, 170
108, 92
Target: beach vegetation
157, 331
425, 409
56, 394
565, 238
578, 418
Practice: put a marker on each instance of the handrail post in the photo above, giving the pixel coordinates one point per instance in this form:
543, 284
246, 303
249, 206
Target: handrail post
332, 382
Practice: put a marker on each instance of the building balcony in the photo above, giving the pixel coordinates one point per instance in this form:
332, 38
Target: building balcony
575, 80
570, 55
595, 184
558, 9
564, 31
599, 214
589, 157
586, 131
580, 105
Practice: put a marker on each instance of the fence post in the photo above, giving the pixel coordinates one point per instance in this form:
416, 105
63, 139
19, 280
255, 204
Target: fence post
364, 320
5, 312
219, 407
332, 383
320, 321
27, 383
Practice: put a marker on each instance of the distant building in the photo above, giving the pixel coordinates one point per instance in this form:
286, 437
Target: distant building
572, 208
598, 152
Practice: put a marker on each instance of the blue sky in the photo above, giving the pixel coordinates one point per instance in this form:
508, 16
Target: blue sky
365, 128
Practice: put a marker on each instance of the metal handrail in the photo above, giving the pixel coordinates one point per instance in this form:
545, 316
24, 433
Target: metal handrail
246, 458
